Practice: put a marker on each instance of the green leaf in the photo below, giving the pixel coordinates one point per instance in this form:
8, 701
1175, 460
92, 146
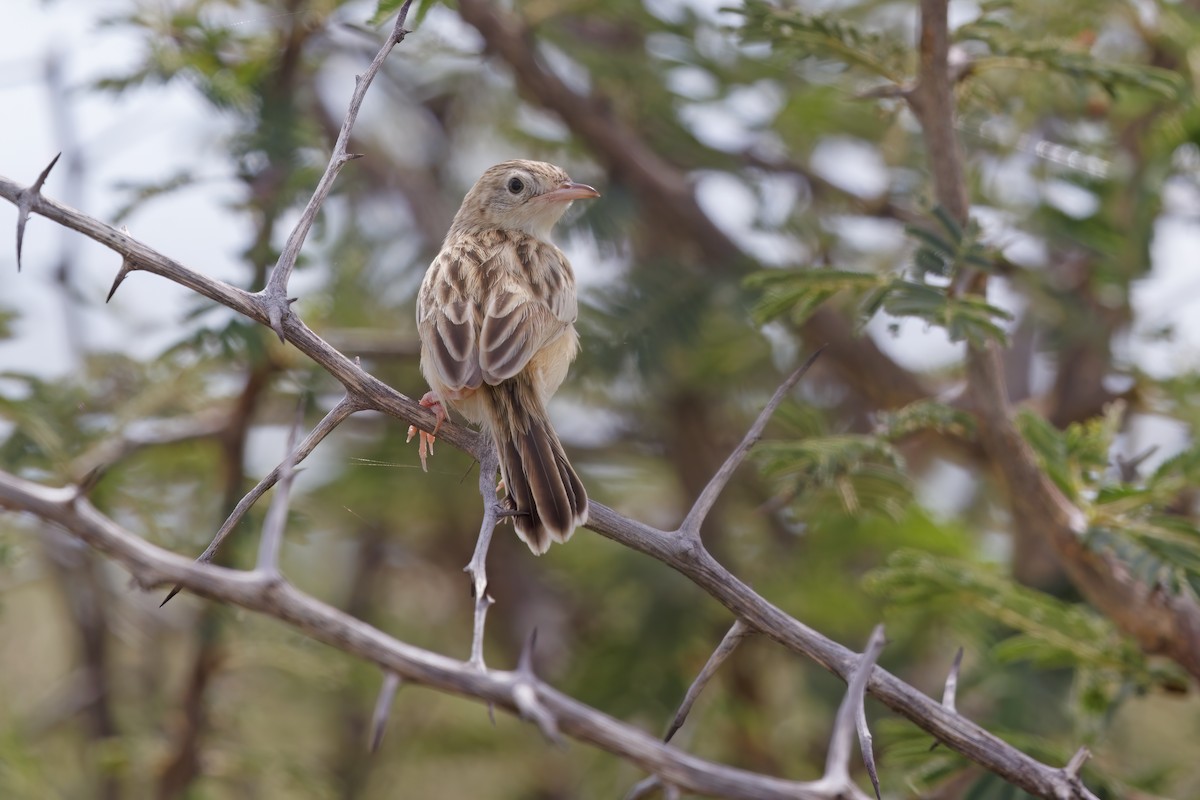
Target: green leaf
824, 36
1049, 632
798, 293
926, 415
863, 474
964, 318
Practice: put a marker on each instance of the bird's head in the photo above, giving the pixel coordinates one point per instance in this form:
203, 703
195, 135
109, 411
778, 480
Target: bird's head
527, 196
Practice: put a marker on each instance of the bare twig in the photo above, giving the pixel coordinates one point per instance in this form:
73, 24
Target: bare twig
704, 503
932, 101
865, 747
948, 696
383, 708
949, 693
345, 407
729, 643
836, 779
476, 568
147, 433
277, 512
525, 695
275, 294
644, 788
1077, 761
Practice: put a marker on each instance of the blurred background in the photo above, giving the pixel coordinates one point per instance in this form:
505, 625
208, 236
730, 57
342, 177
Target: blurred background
765, 191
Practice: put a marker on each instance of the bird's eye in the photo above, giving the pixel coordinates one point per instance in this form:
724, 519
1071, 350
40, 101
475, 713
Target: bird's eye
515, 185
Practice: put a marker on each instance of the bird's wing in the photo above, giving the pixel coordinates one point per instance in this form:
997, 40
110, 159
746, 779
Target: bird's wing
530, 304
448, 320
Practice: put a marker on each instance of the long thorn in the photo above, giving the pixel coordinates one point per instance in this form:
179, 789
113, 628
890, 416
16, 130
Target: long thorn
712, 491
25, 203
383, 708
729, 643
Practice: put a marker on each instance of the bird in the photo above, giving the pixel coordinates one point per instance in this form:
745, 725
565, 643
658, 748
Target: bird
496, 318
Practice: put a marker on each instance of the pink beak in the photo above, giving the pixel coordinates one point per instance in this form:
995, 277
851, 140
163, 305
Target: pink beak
570, 191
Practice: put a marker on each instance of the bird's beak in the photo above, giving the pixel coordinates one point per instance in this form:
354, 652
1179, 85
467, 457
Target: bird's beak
570, 191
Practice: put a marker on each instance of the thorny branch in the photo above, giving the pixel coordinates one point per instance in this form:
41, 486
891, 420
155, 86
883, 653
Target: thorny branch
516, 691
336, 416
275, 294
520, 692
476, 568
681, 553
837, 762
724, 650
684, 554
276, 521
695, 518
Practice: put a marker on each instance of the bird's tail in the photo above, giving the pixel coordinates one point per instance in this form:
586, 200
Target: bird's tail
543, 489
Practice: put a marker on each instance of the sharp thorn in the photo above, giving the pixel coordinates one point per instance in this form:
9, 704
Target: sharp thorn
525, 662
173, 592
25, 200
24, 204
117, 281
383, 709
41, 179
90, 480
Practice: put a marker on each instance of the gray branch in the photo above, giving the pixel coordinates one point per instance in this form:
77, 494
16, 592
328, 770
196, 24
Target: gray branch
728, 644
684, 554
275, 294
476, 568
708, 497
517, 692
345, 407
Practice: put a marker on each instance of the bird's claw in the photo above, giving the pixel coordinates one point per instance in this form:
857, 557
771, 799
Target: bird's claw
425, 440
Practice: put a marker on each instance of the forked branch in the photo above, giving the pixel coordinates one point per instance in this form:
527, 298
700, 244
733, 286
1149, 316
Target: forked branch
275, 294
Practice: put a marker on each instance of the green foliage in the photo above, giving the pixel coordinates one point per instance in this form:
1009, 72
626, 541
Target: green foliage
1010, 48
967, 318
1138, 522
863, 473
926, 415
944, 250
1031, 626
798, 293
824, 36
1075, 458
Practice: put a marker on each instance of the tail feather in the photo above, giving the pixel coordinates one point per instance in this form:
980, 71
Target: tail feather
543, 489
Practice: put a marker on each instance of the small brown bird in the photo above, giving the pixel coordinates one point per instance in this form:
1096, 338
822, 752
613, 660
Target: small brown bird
496, 316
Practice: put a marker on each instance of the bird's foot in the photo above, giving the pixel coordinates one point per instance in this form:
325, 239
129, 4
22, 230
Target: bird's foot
426, 440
